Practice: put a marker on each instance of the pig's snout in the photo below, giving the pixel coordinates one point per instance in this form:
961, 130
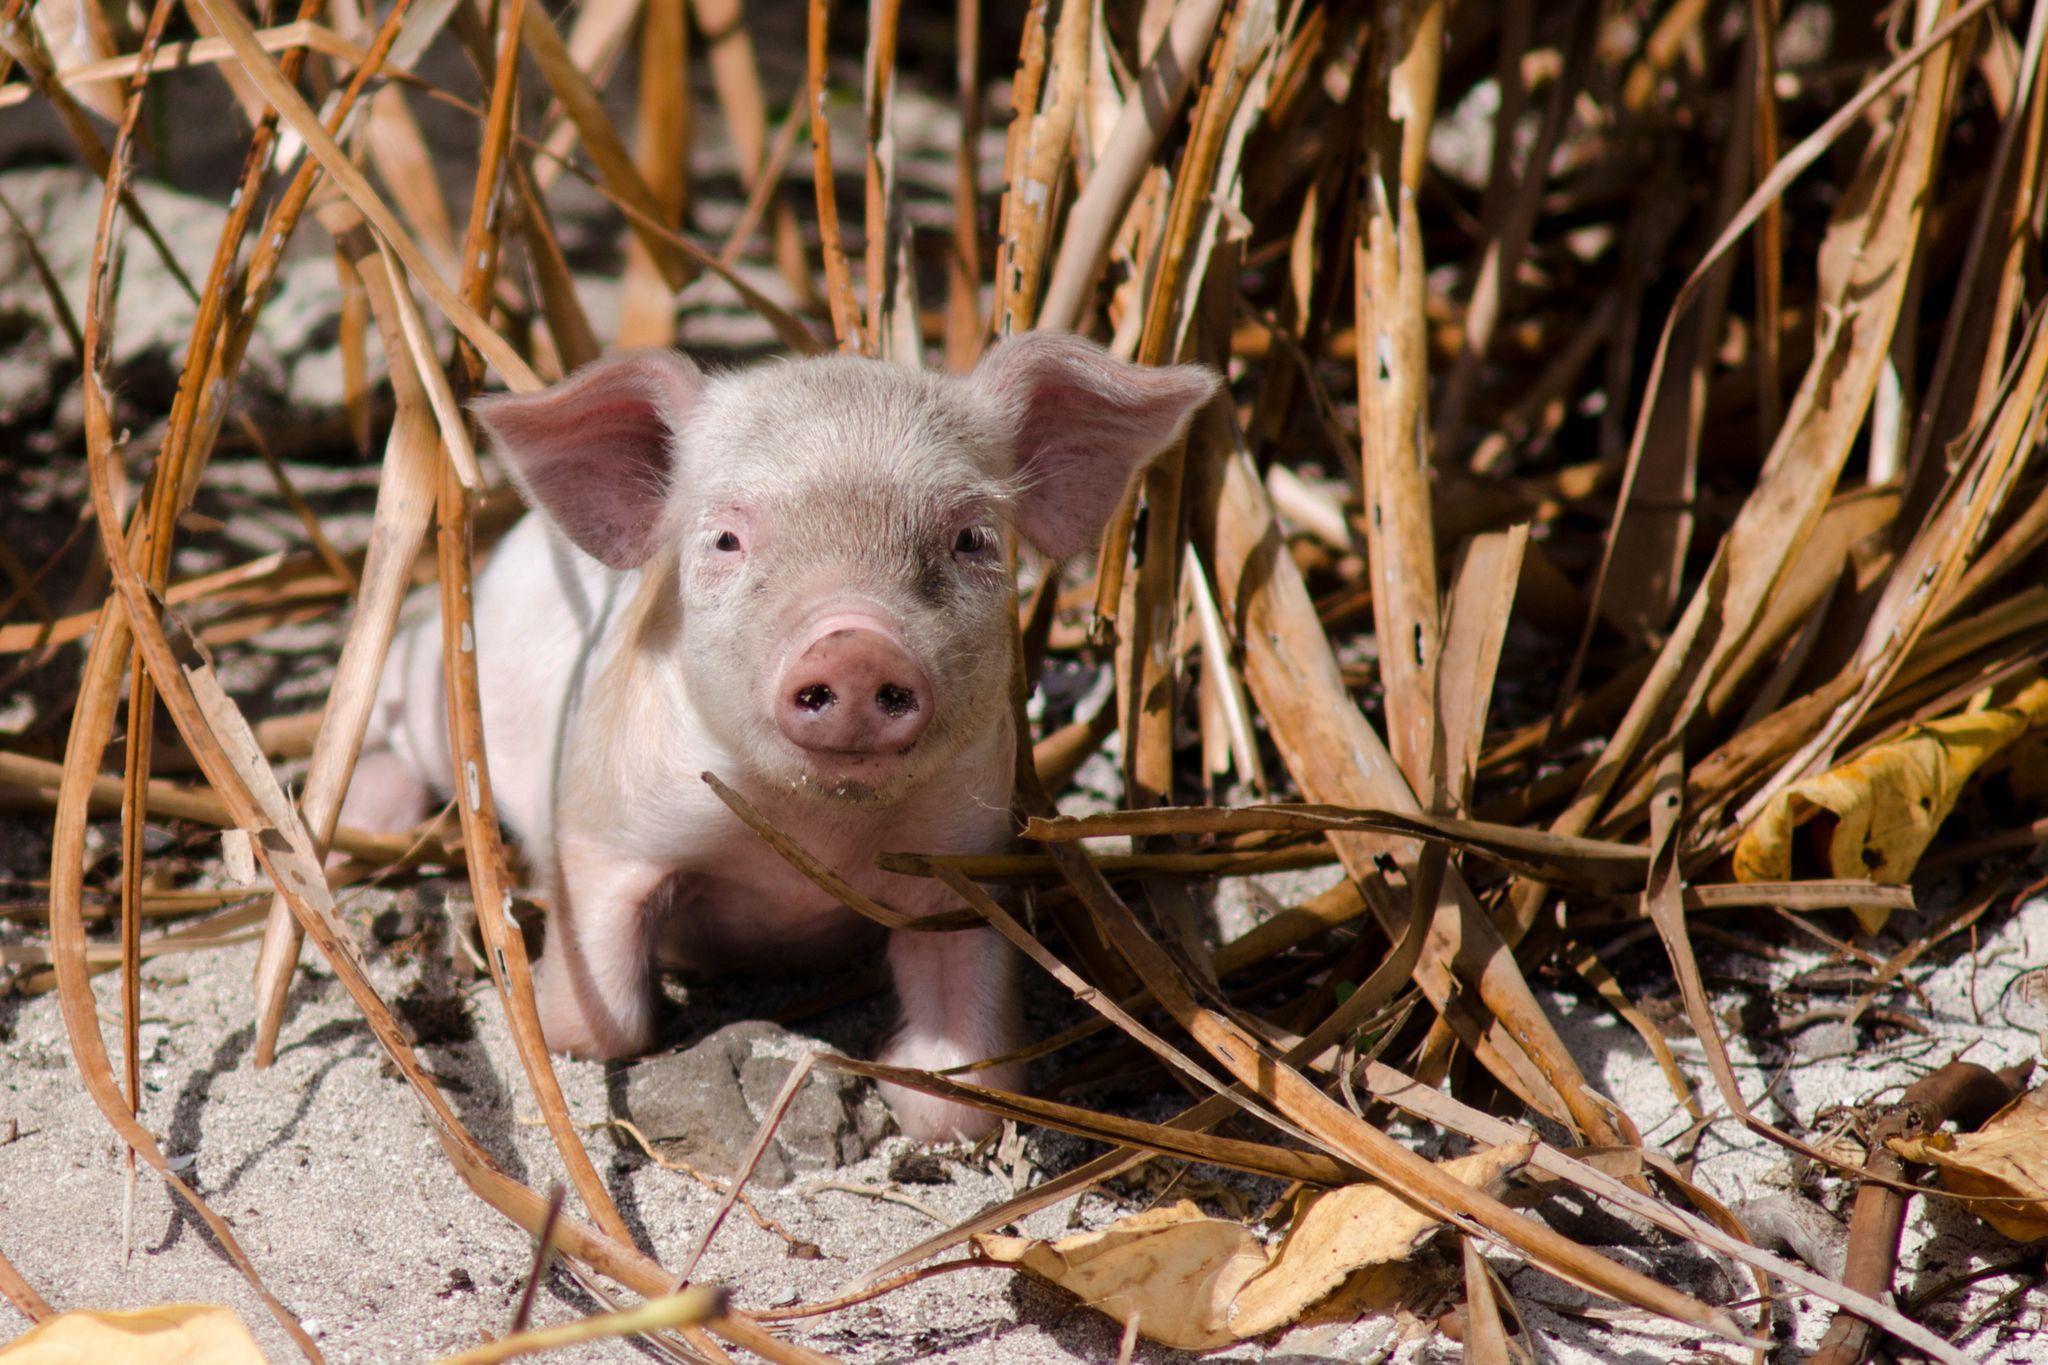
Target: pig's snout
854, 690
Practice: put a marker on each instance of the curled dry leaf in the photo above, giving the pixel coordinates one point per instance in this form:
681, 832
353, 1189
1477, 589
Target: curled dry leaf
1197, 1283
1888, 803
169, 1334
1176, 1270
1348, 1229
2004, 1165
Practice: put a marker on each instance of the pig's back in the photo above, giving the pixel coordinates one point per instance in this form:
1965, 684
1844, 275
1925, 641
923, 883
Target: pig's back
543, 613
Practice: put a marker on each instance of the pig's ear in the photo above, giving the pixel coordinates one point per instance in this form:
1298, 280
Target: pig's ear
1085, 423
597, 451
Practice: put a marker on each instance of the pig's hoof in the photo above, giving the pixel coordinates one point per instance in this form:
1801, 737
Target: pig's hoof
568, 1025
574, 1041
927, 1118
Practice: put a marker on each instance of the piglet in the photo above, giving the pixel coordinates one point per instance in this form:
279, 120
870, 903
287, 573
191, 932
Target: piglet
793, 576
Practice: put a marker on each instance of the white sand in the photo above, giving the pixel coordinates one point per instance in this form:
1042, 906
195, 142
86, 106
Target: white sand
327, 1170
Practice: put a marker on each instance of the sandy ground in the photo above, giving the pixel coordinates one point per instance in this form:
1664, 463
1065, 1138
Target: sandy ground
328, 1172
342, 1197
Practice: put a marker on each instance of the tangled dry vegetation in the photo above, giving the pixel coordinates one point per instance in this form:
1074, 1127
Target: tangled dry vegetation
1627, 519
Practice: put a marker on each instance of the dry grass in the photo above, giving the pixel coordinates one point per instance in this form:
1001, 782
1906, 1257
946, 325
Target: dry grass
1686, 446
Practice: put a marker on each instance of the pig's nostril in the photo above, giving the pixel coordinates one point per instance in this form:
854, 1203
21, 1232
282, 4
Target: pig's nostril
854, 692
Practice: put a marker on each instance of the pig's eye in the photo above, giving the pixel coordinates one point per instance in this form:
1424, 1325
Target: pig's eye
973, 540
726, 541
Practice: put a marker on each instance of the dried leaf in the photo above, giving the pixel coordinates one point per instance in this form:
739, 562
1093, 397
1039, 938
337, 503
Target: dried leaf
1197, 1283
1889, 802
1176, 1270
169, 1334
2004, 1164
1347, 1229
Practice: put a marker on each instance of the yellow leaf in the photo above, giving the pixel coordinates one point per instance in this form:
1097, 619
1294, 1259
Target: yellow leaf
1346, 1229
2006, 1160
1174, 1269
1197, 1283
168, 1334
1888, 804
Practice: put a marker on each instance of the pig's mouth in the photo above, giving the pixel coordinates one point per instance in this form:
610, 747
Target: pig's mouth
855, 777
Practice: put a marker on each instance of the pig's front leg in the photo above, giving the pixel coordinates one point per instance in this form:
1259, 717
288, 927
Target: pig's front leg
594, 986
958, 994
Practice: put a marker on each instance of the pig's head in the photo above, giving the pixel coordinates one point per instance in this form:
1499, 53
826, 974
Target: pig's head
838, 528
